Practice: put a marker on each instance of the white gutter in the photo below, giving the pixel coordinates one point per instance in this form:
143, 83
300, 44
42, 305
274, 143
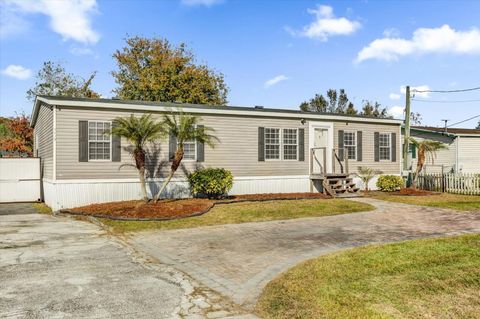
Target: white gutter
158, 108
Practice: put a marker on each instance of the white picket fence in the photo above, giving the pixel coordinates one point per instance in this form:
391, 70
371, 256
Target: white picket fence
456, 183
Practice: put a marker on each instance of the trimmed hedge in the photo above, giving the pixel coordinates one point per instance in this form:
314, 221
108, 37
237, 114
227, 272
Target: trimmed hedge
389, 183
212, 183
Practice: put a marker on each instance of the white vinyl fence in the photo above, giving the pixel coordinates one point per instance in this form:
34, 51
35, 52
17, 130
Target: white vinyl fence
456, 183
19, 179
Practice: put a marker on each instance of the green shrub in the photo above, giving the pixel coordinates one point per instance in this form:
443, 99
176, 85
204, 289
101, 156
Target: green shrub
389, 183
210, 182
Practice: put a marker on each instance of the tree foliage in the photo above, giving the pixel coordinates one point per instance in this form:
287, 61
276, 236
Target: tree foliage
337, 102
53, 79
366, 174
478, 126
155, 70
16, 136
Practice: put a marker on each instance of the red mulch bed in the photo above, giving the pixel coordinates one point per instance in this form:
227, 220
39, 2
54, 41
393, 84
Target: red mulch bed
175, 208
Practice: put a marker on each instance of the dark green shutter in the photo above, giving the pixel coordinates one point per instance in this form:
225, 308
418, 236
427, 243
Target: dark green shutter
376, 146
394, 146
359, 146
200, 148
83, 141
301, 145
340, 145
261, 144
172, 146
414, 151
116, 147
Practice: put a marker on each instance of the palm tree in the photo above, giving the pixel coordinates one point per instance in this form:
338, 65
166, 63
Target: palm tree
427, 149
184, 127
366, 174
138, 131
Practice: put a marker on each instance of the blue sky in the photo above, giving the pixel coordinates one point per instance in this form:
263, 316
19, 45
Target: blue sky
273, 53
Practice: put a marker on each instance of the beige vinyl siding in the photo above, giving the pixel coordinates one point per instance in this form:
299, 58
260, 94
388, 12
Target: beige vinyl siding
368, 130
43, 135
445, 158
236, 150
469, 154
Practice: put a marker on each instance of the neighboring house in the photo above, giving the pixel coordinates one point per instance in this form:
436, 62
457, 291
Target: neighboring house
267, 150
462, 152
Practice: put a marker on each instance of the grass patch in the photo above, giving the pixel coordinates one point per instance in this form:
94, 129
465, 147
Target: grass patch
42, 208
444, 200
432, 278
248, 212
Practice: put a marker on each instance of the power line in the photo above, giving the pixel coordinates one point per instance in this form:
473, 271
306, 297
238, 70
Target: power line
464, 121
438, 101
446, 91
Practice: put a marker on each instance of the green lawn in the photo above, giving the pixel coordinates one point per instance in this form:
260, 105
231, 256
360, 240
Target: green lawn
433, 278
444, 200
249, 212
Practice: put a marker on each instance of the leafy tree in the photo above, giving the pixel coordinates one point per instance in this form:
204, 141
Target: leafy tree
316, 104
53, 79
184, 128
426, 149
478, 126
366, 174
332, 101
138, 131
351, 110
374, 109
155, 70
416, 118
16, 135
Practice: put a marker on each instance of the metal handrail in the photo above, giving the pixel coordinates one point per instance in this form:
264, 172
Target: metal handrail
335, 157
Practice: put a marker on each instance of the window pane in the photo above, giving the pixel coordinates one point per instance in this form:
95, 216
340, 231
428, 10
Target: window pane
272, 143
351, 152
189, 150
290, 152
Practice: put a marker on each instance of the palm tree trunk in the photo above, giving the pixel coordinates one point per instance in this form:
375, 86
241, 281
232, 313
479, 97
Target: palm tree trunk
177, 159
420, 163
143, 186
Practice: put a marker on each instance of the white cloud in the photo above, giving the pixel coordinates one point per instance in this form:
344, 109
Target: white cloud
396, 111
275, 80
10, 22
71, 19
326, 25
391, 33
424, 40
424, 95
17, 71
206, 3
394, 96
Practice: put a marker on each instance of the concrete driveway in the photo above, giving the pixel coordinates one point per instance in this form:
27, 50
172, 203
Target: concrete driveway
54, 267
239, 260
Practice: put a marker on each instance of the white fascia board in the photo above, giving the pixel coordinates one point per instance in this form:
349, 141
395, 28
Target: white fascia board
213, 111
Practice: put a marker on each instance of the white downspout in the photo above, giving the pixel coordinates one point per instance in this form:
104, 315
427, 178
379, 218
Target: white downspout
54, 142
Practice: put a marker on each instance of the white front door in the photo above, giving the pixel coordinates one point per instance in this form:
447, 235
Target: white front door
321, 144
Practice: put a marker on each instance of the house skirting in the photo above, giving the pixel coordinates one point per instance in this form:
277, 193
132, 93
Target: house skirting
73, 193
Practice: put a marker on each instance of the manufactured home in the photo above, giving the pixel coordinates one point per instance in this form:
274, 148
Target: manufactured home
267, 150
461, 153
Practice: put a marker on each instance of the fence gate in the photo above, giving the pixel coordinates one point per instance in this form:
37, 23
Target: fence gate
20, 180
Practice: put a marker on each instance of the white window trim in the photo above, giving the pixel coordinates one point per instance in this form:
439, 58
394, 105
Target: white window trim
190, 159
279, 145
88, 141
282, 150
354, 145
389, 147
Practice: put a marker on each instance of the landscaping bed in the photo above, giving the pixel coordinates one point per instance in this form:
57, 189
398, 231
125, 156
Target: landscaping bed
169, 209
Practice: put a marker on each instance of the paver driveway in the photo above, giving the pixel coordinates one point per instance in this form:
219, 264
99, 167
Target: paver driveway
239, 260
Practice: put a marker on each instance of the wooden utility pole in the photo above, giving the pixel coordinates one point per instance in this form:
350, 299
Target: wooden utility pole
407, 129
